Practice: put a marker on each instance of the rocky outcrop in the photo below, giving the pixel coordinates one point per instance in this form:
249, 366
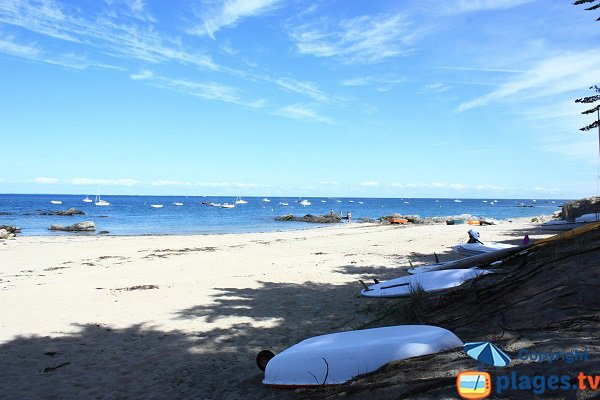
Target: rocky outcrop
69, 212
7, 232
317, 219
577, 208
85, 226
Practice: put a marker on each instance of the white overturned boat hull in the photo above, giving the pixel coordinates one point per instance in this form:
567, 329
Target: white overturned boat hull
336, 358
471, 249
564, 225
428, 281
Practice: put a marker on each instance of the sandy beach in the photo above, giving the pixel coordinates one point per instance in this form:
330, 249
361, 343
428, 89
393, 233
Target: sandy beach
184, 316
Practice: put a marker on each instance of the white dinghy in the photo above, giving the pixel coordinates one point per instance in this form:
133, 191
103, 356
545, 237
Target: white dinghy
565, 225
427, 281
475, 246
338, 357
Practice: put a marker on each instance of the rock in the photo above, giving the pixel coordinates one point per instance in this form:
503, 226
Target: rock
70, 211
317, 219
85, 226
5, 213
11, 229
577, 208
3, 234
103, 233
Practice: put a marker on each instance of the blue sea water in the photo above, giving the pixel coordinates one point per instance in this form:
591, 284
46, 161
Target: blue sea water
132, 215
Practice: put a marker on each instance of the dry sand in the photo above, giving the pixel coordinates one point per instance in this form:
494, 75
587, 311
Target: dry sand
184, 316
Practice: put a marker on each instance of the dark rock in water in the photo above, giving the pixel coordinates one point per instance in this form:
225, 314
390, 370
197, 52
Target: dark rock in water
85, 226
577, 208
103, 233
5, 213
317, 219
70, 211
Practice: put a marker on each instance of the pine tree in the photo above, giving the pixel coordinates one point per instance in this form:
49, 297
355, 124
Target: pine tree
595, 4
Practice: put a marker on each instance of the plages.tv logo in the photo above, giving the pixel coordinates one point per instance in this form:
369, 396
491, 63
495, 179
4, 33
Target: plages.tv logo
474, 385
477, 385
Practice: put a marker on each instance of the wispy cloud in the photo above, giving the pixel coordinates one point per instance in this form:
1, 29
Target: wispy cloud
229, 13
364, 39
453, 186
469, 6
329, 183
171, 183
119, 40
45, 180
384, 82
302, 112
207, 90
102, 182
310, 89
559, 74
435, 88
368, 184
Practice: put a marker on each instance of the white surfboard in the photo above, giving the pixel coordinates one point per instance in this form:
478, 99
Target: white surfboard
428, 281
338, 357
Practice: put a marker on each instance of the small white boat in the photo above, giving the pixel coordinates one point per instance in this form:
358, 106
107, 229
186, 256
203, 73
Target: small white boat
428, 281
266, 200
101, 203
361, 202
565, 225
323, 201
338, 357
239, 200
227, 205
350, 201
338, 201
210, 203
304, 203
87, 200
281, 203
457, 201
178, 204
474, 246
156, 205
471, 249
57, 202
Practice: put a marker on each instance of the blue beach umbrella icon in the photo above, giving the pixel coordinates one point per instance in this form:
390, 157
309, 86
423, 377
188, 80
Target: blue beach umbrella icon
487, 353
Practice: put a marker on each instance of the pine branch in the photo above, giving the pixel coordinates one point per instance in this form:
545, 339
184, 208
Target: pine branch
589, 99
592, 110
594, 7
579, 2
590, 126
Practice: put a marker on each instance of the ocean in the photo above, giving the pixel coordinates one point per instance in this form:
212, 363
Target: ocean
133, 215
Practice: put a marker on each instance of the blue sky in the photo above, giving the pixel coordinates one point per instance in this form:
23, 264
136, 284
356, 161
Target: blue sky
387, 98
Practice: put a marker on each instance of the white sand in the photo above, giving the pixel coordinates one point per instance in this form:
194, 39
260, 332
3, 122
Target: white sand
219, 300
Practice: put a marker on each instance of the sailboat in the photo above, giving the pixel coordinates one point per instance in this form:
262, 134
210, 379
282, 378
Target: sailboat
100, 202
87, 200
56, 202
239, 200
156, 205
304, 203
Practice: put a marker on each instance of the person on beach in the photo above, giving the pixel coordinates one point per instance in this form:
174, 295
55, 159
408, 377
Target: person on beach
349, 216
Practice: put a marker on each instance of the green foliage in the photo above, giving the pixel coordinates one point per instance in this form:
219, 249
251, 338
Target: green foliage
596, 109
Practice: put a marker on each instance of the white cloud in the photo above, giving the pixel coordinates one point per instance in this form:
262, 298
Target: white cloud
229, 13
368, 184
386, 82
364, 39
329, 183
435, 88
102, 182
302, 112
45, 181
171, 183
119, 40
468, 6
310, 89
559, 74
